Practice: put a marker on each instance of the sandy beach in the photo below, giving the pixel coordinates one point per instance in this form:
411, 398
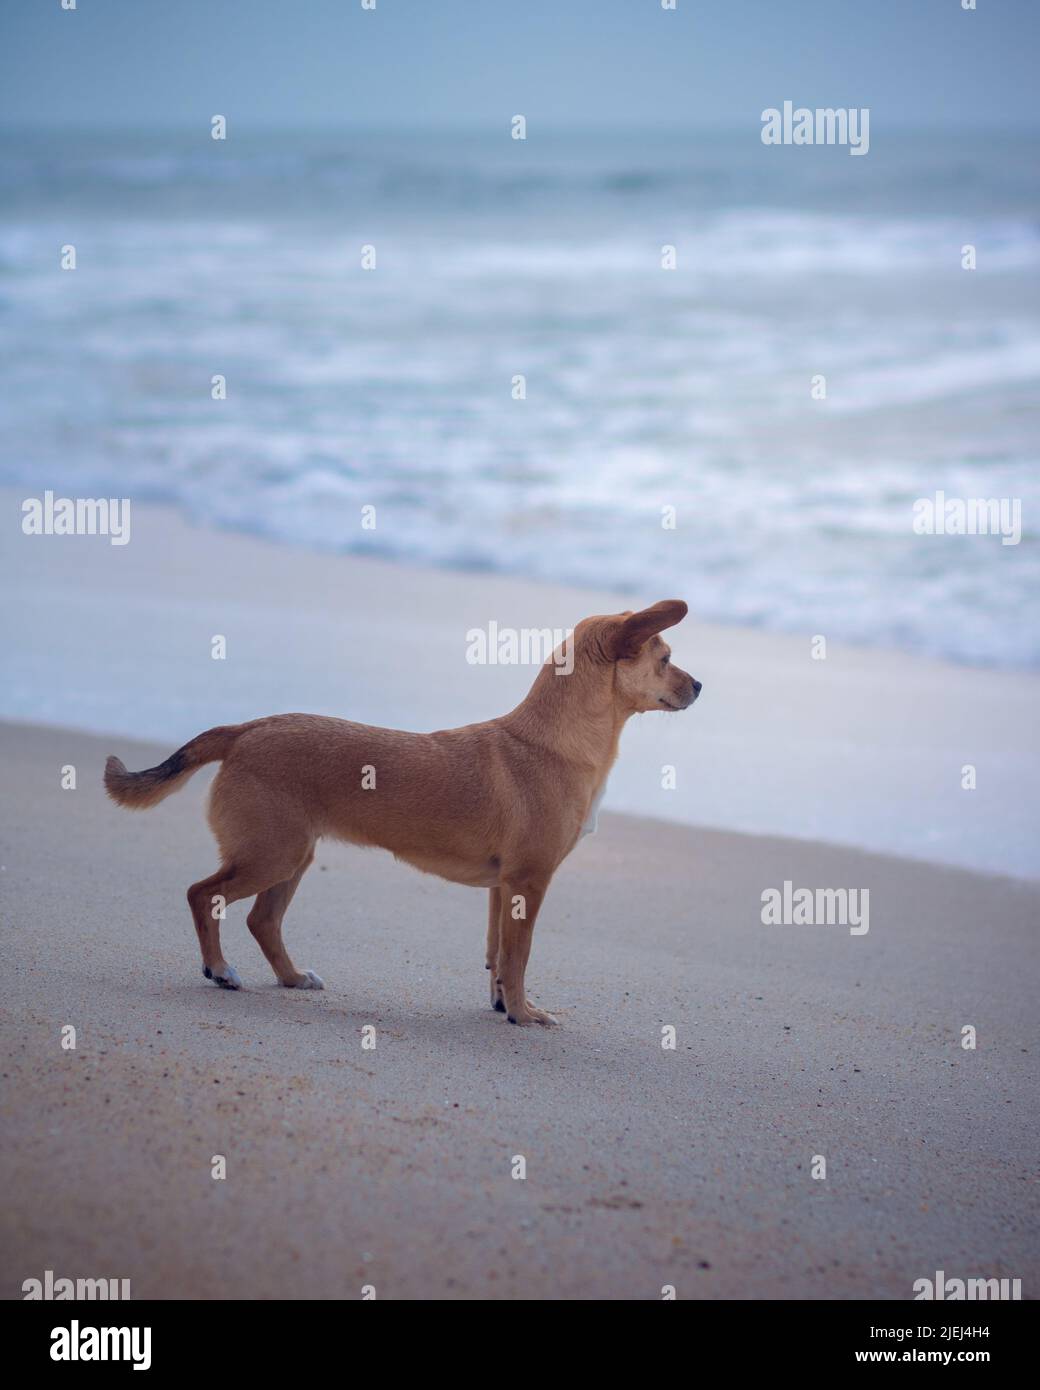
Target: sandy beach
392, 1167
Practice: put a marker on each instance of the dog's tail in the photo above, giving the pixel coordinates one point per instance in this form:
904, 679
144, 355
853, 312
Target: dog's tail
139, 790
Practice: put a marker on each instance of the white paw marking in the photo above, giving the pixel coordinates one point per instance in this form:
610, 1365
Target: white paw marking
312, 981
229, 980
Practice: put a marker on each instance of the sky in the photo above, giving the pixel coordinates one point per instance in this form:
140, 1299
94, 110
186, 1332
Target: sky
133, 64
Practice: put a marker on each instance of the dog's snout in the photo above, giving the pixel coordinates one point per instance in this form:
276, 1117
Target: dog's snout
694, 692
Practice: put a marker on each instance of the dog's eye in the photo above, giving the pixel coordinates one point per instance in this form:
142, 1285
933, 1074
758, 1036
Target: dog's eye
665, 660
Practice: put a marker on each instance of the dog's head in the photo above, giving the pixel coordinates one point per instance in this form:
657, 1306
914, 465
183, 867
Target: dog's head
645, 678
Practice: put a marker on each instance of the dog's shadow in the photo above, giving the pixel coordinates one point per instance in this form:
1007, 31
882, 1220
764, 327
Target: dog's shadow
465, 1035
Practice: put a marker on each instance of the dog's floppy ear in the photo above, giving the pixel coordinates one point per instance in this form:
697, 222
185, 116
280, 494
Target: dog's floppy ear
639, 627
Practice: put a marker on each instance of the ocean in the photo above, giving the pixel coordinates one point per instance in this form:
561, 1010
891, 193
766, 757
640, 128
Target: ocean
684, 394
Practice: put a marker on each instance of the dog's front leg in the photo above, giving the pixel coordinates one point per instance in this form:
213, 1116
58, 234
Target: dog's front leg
491, 956
520, 902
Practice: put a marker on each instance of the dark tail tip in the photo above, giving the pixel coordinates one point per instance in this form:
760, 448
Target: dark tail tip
116, 778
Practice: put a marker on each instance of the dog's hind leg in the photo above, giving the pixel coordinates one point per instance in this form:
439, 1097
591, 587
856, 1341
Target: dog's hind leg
264, 840
210, 896
491, 957
207, 909
265, 922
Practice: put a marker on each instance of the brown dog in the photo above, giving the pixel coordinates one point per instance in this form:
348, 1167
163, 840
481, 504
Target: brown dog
496, 805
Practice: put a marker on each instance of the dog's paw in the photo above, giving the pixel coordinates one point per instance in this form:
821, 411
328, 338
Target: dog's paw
308, 980
530, 1015
229, 979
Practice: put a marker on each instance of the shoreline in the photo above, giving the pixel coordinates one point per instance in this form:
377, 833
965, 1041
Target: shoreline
864, 748
107, 512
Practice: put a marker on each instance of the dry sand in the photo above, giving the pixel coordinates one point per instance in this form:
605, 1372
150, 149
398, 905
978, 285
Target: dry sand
392, 1167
